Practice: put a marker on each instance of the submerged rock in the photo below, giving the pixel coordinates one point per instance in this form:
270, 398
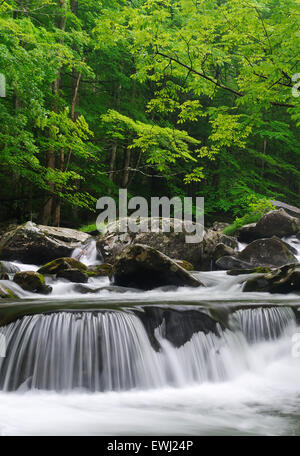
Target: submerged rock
267, 252
31, 243
85, 289
73, 275
62, 264
257, 270
282, 280
32, 281
141, 266
6, 293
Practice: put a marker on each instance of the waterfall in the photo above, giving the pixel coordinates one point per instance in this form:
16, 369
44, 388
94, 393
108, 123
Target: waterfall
112, 351
87, 253
260, 324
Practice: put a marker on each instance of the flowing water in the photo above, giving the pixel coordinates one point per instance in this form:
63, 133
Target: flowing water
208, 361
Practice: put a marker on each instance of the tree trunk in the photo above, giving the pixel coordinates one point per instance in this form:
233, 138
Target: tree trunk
125, 178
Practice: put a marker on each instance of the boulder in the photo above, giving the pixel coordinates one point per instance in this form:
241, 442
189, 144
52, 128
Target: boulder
7, 267
267, 252
31, 243
291, 210
247, 233
231, 262
223, 250
277, 223
143, 267
32, 281
173, 244
100, 270
73, 275
6, 293
62, 264
282, 280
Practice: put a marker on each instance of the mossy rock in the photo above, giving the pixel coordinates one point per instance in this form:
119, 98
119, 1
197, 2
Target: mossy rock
32, 281
101, 270
6, 293
185, 265
62, 264
257, 270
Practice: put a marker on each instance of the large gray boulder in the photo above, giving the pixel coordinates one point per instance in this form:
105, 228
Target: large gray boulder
275, 223
31, 243
282, 280
267, 252
173, 244
229, 262
143, 267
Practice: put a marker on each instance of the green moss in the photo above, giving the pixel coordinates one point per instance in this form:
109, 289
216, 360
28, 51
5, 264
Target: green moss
239, 222
53, 267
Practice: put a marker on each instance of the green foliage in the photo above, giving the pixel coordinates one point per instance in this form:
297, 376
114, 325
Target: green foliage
176, 98
254, 208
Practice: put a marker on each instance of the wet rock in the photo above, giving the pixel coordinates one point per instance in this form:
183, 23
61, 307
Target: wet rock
6, 293
258, 270
32, 281
85, 289
282, 280
223, 250
100, 270
73, 275
267, 252
141, 266
31, 243
62, 264
230, 262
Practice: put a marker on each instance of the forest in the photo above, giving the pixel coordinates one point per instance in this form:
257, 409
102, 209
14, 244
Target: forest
160, 97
